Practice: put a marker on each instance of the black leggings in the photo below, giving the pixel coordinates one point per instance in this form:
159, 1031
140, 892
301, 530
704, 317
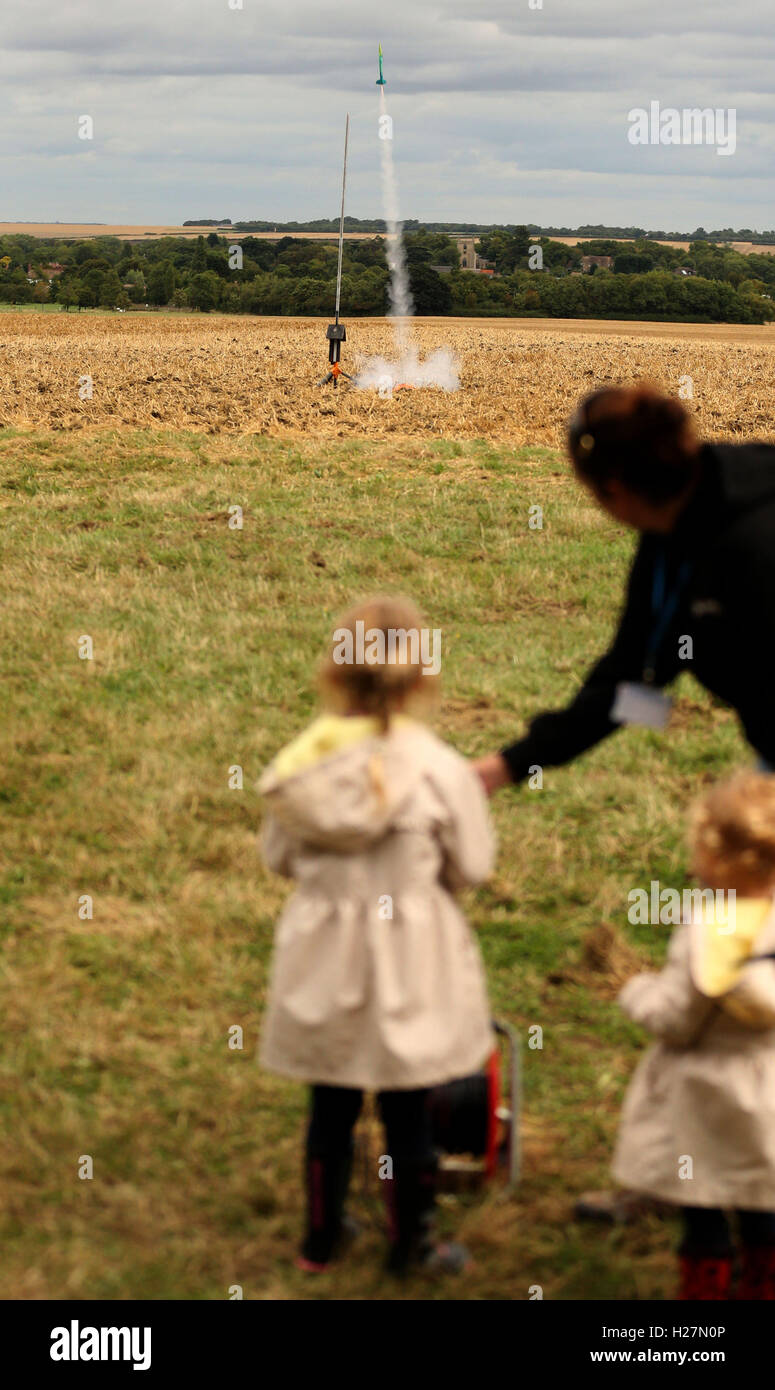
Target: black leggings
706, 1230
405, 1114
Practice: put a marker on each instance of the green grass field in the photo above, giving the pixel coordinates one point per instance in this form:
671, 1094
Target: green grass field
47, 309
115, 784
55, 308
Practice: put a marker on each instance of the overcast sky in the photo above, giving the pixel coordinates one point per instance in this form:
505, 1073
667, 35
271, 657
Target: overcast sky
501, 112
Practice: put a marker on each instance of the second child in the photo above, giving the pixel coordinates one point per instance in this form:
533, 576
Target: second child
698, 1125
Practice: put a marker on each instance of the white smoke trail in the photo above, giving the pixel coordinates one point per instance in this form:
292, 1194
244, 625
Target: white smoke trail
401, 305
441, 368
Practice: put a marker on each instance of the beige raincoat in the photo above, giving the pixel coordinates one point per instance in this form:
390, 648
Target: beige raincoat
706, 1091
377, 981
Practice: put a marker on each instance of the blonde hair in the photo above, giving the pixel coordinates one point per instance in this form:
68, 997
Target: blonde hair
732, 834
381, 686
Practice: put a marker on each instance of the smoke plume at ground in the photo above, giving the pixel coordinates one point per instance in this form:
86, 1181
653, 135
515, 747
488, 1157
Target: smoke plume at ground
440, 368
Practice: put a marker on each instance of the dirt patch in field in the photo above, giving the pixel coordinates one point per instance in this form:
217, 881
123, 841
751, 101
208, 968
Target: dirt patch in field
607, 962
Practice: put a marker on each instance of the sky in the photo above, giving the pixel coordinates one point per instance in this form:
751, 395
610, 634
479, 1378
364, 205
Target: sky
502, 112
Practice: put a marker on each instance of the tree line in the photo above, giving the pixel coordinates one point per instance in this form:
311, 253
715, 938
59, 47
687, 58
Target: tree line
237, 273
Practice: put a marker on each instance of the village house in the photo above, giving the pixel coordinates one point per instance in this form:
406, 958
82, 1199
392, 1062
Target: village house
596, 262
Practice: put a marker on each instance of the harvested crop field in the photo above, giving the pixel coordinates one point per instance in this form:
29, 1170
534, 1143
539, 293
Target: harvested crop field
217, 374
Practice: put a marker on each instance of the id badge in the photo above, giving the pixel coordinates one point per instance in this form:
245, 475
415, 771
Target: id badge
640, 704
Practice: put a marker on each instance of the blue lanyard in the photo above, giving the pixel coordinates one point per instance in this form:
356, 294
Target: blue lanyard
663, 610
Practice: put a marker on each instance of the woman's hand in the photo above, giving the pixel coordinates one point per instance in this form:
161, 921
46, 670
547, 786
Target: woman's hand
493, 772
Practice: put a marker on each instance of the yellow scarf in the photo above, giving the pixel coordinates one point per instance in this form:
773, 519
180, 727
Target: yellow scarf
721, 948
328, 734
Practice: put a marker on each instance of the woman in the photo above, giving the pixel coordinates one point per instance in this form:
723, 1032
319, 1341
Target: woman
704, 570
701, 591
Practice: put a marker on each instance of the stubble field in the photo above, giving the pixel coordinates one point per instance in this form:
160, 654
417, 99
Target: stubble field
230, 375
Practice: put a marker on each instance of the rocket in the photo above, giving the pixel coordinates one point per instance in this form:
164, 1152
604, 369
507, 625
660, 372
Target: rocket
380, 80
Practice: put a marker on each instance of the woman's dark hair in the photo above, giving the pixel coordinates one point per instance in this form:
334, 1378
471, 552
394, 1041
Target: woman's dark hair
637, 437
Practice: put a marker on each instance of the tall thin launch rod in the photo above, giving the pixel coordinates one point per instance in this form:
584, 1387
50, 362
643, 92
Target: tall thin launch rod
341, 219
336, 333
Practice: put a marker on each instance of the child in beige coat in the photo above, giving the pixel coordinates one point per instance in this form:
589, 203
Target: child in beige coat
377, 982
698, 1125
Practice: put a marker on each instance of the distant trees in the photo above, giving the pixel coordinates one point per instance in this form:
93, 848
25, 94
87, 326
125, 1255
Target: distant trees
199, 262
296, 276
654, 295
110, 290
161, 282
16, 290
138, 290
632, 263
67, 296
203, 292
430, 248
506, 249
86, 296
431, 293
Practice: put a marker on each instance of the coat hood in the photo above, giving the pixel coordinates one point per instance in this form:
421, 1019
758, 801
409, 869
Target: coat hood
341, 784
729, 958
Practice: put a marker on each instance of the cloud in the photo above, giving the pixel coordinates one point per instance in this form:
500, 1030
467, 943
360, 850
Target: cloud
502, 112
